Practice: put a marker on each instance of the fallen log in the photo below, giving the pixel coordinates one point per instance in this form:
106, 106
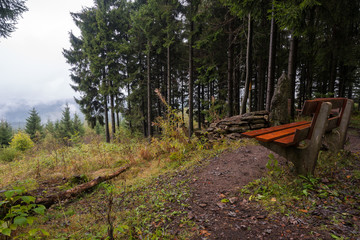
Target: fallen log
52, 199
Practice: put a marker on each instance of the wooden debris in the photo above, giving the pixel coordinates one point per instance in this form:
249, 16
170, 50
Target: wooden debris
232, 127
52, 199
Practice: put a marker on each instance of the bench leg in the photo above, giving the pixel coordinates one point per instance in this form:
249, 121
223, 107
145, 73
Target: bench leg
305, 158
336, 138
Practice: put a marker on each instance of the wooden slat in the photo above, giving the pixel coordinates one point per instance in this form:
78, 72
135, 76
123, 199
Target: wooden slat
293, 139
269, 137
310, 106
286, 141
273, 129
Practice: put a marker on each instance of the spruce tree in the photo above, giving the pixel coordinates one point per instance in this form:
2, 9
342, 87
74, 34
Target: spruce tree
33, 124
10, 11
78, 125
6, 133
65, 126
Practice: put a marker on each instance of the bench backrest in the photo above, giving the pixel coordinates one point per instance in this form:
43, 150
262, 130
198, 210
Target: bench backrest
312, 108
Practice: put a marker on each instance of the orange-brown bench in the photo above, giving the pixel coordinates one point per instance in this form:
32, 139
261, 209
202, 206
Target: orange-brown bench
330, 120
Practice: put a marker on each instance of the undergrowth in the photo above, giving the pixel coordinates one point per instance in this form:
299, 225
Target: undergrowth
143, 203
332, 196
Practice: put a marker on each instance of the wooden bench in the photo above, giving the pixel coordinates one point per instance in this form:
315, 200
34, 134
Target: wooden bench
300, 142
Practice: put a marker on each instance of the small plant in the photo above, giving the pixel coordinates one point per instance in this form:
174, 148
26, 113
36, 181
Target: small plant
273, 165
21, 142
16, 211
8, 154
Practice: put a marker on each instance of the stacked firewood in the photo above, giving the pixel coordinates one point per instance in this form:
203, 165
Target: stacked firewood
232, 127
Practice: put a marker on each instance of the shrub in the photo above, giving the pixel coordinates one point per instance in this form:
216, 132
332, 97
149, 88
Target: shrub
21, 142
8, 154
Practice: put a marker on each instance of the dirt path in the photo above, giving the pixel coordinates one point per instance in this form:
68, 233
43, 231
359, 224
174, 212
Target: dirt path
239, 218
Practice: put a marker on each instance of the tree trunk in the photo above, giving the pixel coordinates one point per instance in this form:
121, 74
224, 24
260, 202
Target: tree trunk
52, 199
107, 132
248, 65
148, 91
129, 106
168, 77
230, 59
333, 64
292, 71
143, 113
106, 110
271, 65
112, 105
199, 105
191, 81
342, 79
261, 82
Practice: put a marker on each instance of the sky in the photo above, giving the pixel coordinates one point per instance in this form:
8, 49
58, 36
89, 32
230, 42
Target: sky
32, 68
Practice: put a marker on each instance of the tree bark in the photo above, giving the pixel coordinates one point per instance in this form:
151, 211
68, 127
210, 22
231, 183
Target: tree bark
271, 65
106, 110
168, 77
261, 82
199, 106
230, 61
248, 65
191, 81
333, 64
148, 91
112, 105
129, 106
52, 199
292, 71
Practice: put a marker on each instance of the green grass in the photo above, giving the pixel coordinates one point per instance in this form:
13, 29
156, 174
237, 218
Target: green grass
336, 185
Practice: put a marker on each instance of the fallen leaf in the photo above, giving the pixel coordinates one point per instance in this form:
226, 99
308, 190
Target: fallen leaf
222, 196
303, 210
205, 233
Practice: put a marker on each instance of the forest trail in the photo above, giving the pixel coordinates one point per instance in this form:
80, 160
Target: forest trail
239, 218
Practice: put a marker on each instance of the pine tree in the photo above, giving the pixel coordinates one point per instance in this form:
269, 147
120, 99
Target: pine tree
65, 128
6, 133
33, 124
10, 11
78, 125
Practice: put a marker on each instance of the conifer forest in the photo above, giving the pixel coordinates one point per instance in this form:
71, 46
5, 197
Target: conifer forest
170, 92
228, 54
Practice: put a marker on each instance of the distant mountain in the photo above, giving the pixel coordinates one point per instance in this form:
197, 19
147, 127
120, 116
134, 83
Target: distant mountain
16, 113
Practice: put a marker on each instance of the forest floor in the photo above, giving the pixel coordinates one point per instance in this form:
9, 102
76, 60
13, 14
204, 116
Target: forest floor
222, 212
244, 192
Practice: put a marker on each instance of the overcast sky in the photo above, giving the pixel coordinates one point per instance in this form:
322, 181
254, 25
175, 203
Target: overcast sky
32, 67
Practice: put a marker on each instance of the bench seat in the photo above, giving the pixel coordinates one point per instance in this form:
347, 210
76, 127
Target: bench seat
330, 120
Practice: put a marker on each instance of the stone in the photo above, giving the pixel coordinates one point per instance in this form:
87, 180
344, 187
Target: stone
279, 113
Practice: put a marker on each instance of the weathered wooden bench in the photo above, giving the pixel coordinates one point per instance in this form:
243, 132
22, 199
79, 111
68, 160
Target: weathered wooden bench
300, 142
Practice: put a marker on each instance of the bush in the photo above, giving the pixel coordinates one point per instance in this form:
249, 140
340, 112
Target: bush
8, 154
21, 142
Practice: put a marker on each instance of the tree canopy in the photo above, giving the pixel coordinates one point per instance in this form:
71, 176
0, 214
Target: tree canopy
10, 11
205, 55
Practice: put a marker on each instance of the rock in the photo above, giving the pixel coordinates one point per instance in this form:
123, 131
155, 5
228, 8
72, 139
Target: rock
279, 103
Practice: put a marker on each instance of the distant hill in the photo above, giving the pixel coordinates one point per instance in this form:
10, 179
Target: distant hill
16, 113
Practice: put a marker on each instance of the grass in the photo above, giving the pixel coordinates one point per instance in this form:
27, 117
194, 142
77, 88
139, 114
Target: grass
143, 202
335, 186
147, 202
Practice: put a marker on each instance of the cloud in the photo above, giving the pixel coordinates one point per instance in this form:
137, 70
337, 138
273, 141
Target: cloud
33, 68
